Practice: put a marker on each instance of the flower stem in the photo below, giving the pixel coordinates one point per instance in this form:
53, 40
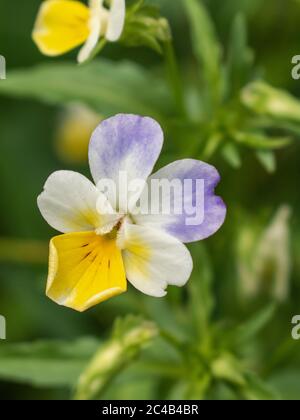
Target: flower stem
23, 251
174, 77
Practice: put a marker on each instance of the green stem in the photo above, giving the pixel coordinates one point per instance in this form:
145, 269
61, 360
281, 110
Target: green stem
112, 358
23, 251
174, 77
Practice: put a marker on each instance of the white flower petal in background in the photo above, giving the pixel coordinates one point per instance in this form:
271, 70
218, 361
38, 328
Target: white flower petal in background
116, 20
103, 22
265, 262
274, 252
63, 25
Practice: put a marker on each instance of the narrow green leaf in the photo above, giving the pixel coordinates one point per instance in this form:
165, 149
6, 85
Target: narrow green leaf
46, 363
206, 47
107, 87
231, 154
267, 159
287, 383
240, 57
249, 329
228, 368
256, 389
261, 141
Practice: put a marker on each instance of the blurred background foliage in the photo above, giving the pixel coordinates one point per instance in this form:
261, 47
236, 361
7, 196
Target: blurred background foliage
228, 334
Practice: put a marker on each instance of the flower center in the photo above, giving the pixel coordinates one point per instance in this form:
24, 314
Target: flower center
114, 232
111, 228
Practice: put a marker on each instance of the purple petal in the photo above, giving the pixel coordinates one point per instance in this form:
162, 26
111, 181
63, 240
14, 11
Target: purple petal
211, 208
127, 143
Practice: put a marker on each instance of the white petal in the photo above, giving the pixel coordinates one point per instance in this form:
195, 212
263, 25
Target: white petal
116, 20
95, 31
93, 4
153, 259
68, 202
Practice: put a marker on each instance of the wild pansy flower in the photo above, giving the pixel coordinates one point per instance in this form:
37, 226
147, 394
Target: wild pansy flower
104, 243
63, 25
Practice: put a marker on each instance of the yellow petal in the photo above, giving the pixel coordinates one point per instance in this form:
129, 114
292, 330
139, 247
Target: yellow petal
84, 269
61, 25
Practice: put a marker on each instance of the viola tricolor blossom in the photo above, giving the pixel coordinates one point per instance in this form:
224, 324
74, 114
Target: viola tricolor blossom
100, 250
63, 25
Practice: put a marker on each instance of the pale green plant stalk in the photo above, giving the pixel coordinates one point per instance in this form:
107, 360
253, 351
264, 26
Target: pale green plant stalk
112, 358
174, 77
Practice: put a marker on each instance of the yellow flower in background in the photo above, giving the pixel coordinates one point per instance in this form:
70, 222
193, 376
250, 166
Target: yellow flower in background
74, 132
63, 25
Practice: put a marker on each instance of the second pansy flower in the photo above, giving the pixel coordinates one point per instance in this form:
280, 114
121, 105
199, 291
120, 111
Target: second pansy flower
63, 25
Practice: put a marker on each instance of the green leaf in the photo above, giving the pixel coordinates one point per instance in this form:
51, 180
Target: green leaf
240, 57
231, 154
196, 389
287, 383
253, 326
107, 87
132, 386
206, 47
256, 389
267, 159
165, 315
260, 141
129, 337
46, 363
228, 368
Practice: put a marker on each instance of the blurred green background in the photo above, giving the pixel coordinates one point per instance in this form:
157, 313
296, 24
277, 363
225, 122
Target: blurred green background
223, 269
